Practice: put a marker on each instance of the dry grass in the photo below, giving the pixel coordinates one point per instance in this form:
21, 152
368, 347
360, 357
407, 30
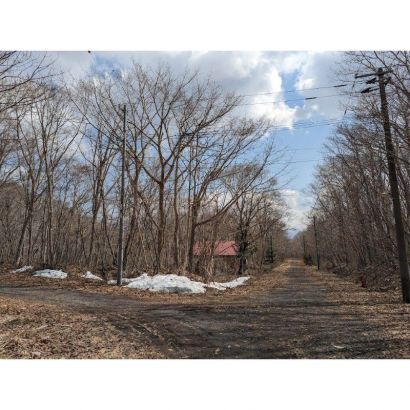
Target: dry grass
344, 290
384, 310
35, 330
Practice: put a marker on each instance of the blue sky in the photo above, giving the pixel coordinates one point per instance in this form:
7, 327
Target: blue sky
284, 74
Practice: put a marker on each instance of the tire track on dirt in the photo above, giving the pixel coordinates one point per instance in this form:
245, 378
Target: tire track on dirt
295, 320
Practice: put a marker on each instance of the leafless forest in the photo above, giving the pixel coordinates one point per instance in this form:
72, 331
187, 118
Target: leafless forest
355, 224
195, 171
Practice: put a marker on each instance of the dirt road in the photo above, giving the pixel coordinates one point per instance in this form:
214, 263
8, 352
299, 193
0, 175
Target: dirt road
301, 319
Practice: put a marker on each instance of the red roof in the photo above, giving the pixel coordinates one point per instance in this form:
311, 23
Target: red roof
222, 248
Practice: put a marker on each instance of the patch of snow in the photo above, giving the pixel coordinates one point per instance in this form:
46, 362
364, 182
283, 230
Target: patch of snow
22, 269
168, 284
128, 280
89, 275
50, 273
232, 284
125, 281
179, 284
217, 286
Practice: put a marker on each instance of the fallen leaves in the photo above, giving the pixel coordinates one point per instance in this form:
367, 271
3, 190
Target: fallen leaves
32, 330
389, 317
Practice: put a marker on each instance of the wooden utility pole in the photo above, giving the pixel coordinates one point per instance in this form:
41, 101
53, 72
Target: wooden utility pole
394, 187
317, 248
304, 247
122, 201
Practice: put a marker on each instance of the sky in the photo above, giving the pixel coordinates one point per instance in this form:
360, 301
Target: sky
288, 77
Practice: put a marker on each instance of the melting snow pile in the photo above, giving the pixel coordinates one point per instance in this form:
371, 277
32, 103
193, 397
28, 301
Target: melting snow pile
23, 269
49, 273
89, 275
228, 285
167, 283
179, 284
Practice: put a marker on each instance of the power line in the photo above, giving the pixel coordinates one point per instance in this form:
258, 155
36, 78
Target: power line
296, 125
340, 85
296, 90
292, 100
311, 98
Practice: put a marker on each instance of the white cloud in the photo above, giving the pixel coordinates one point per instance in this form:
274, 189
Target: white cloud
290, 62
243, 72
278, 111
297, 209
74, 64
317, 70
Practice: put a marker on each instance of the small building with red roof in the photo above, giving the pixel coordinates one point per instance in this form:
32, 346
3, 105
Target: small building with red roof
222, 249
225, 256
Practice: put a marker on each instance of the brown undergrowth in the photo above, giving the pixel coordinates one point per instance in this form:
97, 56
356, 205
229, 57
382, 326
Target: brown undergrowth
385, 310
31, 330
